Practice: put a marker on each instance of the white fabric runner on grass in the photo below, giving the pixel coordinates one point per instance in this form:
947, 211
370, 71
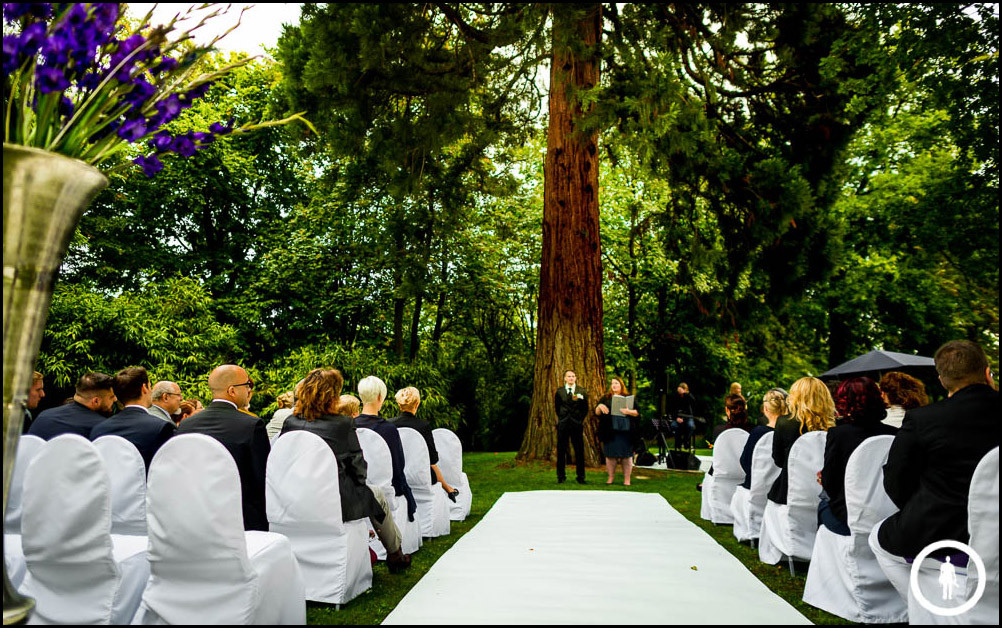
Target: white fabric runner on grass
589, 557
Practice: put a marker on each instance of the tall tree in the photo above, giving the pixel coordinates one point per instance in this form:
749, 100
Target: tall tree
569, 324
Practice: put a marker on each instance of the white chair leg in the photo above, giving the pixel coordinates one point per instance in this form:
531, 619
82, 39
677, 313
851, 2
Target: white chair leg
793, 572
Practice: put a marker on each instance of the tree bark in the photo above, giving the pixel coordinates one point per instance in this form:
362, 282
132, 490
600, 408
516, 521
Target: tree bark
569, 321
415, 345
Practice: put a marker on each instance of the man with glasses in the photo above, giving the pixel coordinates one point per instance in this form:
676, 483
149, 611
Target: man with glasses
166, 401
243, 435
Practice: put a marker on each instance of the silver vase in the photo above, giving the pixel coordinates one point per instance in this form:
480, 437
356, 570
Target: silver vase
44, 195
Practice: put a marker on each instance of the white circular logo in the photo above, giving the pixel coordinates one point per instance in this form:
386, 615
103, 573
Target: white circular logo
947, 579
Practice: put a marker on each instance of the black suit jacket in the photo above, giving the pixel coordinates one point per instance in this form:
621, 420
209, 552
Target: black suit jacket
69, 418
245, 437
841, 442
338, 431
408, 419
140, 428
571, 410
930, 465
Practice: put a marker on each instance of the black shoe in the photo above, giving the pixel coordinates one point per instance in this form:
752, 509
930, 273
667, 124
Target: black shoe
561, 480
581, 481
453, 494
398, 562
699, 487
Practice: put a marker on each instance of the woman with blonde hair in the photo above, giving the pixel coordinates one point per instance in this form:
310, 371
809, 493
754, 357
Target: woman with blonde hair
773, 407
408, 399
812, 409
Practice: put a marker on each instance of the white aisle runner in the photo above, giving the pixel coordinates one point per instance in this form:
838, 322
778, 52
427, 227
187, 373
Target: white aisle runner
589, 557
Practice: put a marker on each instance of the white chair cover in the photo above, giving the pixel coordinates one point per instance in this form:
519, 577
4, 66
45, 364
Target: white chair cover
304, 504
204, 568
748, 503
844, 577
380, 473
789, 529
127, 473
78, 572
983, 525
432, 504
28, 447
450, 463
727, 474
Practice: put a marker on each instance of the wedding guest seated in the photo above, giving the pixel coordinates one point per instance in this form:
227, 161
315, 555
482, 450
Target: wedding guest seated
92, 402
318, 410
134, 423
811, 409
408, 399
861, 409
736, 410
773, 407
901, 392
350, 405
932, 459
167, 399
737, 418
285, 403
241, 433
187, 408
35, 394
372, 392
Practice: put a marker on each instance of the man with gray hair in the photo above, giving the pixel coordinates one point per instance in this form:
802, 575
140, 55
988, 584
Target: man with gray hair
166, 401
372, 392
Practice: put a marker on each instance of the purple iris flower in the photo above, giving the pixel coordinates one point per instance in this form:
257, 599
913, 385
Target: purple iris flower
184, 146
11, 53
203, 139
141, 91
13, 11
50, 80
161, 142
218, 128
150, 165
132, 130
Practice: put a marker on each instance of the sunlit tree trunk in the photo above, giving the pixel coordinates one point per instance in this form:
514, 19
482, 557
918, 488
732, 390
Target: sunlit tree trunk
569, 326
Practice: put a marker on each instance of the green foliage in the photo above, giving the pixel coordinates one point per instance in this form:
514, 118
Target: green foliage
166, 326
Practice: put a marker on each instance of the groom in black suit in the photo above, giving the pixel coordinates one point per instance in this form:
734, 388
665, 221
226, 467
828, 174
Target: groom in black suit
243, 435
571, 402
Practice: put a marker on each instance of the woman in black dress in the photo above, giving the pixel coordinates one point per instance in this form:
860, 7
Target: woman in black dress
617, 432
318, 411
811, 409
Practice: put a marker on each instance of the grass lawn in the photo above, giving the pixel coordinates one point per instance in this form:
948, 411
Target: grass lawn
492, 474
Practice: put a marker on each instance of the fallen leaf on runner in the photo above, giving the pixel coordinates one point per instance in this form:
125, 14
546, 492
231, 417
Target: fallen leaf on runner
693, 568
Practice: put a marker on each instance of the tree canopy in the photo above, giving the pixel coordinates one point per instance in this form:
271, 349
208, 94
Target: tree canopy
780, 188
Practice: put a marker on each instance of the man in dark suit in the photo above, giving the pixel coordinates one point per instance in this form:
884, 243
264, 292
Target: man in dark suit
35, 394
932, 459
571, 402
243, 435
93, 402
134, 423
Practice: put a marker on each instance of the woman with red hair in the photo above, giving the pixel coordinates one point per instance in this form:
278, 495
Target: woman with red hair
860, 408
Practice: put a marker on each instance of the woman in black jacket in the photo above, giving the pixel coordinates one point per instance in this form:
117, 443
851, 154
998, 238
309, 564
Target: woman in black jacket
861, 412
318, 411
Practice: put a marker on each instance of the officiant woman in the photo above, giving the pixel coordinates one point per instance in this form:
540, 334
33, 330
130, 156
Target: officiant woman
617, 432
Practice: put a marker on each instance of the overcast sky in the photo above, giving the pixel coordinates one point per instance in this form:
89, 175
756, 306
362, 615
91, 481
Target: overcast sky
261, 25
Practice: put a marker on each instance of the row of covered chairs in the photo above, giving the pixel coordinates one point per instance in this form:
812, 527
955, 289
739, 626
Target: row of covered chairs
187, 499
844, 577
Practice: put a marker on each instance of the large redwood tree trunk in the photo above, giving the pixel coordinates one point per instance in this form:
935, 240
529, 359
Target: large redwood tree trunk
569, 324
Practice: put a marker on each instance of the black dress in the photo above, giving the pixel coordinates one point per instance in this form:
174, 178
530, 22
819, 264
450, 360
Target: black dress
616, 432
338, 431
787, 432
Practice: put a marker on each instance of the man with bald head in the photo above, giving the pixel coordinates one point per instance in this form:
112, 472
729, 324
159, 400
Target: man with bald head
243, 435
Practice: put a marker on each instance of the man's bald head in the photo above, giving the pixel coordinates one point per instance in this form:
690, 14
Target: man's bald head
222, 377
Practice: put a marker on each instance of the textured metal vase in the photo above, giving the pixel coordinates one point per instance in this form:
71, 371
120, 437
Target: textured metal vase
44, 195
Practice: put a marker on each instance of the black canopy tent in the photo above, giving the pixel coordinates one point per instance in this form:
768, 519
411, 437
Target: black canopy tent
878, 362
